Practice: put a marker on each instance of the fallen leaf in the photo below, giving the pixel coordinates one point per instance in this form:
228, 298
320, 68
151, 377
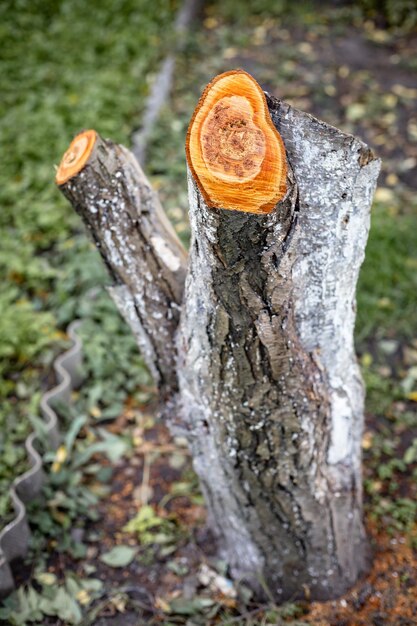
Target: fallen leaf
119, 556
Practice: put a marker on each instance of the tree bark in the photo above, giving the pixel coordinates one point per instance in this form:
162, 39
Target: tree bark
140, 248
271, 390
263, 358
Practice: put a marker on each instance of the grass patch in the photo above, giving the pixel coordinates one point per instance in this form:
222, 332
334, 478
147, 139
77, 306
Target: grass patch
388, 280
65, 65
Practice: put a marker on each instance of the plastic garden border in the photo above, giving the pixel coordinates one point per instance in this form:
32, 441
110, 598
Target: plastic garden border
14, 537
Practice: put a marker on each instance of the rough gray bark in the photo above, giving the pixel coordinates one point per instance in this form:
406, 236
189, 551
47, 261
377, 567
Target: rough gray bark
271, 393
271, 390
141, 250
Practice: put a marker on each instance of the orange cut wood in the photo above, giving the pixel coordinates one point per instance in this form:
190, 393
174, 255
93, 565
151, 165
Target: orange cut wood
235, 153
76, 156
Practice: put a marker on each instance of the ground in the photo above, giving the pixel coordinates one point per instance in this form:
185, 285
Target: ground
172, 575
122, 464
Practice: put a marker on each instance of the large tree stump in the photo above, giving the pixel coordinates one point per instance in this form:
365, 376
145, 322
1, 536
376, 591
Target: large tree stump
270, 391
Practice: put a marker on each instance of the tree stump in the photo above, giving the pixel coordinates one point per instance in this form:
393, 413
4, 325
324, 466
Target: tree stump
139, 246
264, 367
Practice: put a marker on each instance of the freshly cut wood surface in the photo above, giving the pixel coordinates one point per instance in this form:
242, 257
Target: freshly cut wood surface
233, 149
76, 156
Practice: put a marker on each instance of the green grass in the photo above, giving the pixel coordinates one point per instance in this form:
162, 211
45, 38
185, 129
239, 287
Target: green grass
388, 281
64, 65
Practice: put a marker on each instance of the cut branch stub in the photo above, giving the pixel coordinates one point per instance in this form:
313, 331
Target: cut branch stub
76, 156
234, 151
142, 252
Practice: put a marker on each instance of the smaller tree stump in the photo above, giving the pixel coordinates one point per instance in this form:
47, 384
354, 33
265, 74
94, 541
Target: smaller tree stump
144, 256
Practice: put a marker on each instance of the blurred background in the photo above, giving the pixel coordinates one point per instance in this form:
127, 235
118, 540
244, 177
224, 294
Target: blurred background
67, 65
